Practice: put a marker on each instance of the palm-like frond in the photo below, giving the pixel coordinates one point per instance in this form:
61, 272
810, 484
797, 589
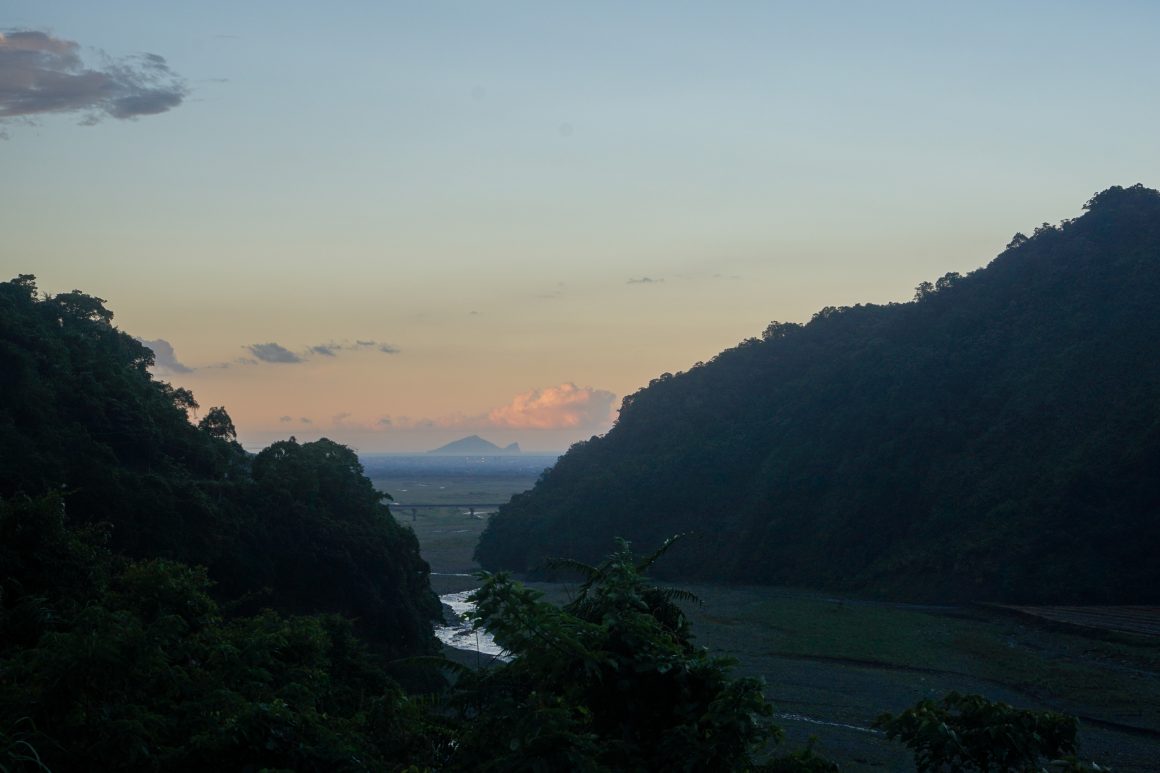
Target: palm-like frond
679, 594
587, 571
646, 562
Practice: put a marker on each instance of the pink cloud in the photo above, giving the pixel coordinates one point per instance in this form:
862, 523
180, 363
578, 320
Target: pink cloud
42, 74
562, 407
565, 406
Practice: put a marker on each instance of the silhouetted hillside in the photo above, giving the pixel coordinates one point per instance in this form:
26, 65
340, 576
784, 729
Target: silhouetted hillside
996, 438
297, 527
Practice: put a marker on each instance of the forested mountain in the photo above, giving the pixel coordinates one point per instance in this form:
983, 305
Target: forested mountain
997, 438
298, 527
170, 602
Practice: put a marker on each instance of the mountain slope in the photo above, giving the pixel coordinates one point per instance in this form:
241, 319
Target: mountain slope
998, 438
296, 527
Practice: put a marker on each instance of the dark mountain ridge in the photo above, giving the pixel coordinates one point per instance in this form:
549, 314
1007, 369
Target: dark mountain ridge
297, 527
997, 438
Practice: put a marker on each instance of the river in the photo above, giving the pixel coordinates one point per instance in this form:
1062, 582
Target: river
457, 631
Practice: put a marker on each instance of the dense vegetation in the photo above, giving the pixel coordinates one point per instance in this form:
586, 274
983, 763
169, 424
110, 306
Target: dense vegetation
112, 664
168, 601
298, 527
968, 732
611, 681
997, 438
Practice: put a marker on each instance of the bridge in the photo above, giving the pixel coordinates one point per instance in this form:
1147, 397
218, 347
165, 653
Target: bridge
405, 505
398, 508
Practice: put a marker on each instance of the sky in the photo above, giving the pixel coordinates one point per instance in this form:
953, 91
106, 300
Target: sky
399, 224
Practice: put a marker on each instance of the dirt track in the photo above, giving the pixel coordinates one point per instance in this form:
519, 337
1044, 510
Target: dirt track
1128, 619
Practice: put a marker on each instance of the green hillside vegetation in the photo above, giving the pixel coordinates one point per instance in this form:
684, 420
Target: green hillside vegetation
170, 602
297, 527
997, 438
113, 664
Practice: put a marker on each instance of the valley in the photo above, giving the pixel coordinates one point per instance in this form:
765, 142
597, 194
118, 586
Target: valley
834, 663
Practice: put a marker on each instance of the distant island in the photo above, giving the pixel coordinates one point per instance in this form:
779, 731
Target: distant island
476, 445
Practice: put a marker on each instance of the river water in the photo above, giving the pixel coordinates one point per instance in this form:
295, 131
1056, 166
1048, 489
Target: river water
457, 631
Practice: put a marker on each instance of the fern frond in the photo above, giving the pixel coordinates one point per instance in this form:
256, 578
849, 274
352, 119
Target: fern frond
587, 571
679, 594
652, 557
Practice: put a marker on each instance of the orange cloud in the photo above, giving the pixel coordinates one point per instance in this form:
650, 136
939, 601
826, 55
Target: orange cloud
562, 407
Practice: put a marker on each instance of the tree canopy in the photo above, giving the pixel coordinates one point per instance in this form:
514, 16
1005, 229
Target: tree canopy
297, 527
609, 681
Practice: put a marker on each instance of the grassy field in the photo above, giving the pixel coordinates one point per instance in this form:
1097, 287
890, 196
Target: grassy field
844, 661
833, 664
448, 534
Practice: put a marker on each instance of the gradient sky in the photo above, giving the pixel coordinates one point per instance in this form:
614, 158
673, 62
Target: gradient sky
398, 224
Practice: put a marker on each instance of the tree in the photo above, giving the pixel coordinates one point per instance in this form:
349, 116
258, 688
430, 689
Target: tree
971, 733
218, 424
775, 330
610, 681
131, 665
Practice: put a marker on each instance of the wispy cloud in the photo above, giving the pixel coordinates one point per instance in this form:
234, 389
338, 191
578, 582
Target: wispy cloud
277, 354
269, 352
164, 357
42, 74
332, 348
272, 352
555, 292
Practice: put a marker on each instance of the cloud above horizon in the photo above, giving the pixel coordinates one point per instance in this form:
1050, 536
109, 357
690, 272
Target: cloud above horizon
272, 352
41, 74
164, 358
566, 406
331, 349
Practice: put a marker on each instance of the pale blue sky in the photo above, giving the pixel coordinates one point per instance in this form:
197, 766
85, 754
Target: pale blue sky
479, 183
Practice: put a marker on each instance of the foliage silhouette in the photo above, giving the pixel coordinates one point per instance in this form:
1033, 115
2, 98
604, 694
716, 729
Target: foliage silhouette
971, 733
298, 527
609, 681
